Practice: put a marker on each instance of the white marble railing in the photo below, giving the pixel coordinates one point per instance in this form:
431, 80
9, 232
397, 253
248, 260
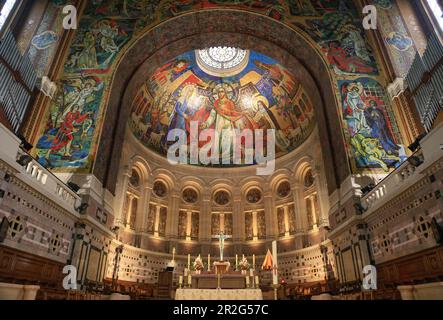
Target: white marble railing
49, 181
406, 174
33, 173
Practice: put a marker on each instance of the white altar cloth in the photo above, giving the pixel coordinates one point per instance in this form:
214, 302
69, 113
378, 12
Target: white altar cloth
218, 294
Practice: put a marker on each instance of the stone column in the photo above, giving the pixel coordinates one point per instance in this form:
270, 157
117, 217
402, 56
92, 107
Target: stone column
254, 225
205, 219
313, 210
144, 207
270, 215
322, 197
188, 224
157, 220
238, 220
286, 215
121, 219
300, 207
127, 218
172, 216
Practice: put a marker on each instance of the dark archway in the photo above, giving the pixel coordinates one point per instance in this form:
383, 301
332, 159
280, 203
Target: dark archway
230, 28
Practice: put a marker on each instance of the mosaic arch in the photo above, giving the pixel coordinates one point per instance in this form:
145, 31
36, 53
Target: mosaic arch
222, 88
69, 137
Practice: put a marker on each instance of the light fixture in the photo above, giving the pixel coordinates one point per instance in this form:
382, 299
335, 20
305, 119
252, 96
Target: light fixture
24, 160
73, 186
416, 144
415, 161
82, 208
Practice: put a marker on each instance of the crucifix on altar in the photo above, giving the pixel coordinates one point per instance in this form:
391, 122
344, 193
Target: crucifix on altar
221, 266
221, 242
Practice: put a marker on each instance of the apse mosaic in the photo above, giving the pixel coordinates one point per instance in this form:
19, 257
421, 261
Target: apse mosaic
68, 139
257, 94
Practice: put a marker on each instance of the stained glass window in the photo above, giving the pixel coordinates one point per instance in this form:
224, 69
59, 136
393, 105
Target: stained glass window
222, 58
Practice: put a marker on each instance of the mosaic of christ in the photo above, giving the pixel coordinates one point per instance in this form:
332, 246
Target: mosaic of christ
257, 93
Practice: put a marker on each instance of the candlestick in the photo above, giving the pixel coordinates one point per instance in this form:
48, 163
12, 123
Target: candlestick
251, 272
180, 281
236, 262
275, 263
173, 254
189, 280
218, 280
257, 281
247, 282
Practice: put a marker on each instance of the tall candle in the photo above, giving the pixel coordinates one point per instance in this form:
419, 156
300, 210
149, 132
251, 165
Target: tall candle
253, 261
275, 263
173, 254
180, 280
189, 261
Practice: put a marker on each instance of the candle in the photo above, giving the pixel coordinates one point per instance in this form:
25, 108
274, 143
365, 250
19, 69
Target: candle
189, 261
275, 263
247, 281
209, 262
180, 280
253, 261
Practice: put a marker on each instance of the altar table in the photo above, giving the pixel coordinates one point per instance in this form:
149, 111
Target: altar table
210, 281
218, 294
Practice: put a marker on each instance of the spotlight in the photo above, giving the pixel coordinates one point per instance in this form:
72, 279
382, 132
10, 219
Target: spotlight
24, 160
25, 145
82, 208
415, 161
359, 208
74, 187
368, 188
416, 144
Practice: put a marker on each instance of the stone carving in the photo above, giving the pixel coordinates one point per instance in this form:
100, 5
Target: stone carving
190, 195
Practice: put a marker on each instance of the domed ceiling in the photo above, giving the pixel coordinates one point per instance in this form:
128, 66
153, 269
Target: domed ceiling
222, 88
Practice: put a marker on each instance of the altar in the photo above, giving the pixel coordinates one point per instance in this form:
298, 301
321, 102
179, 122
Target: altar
218, 294
212, 281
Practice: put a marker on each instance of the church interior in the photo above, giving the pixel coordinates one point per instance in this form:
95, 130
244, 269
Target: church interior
221, 149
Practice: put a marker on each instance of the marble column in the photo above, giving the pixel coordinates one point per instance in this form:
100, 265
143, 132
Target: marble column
300, 207
157, 220
188, 224
286, 218
254, 225
322, 197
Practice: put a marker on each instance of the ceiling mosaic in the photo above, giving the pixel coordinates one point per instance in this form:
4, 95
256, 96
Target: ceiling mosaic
72, 128
257, 93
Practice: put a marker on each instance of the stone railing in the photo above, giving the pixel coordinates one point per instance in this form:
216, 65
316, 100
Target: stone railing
34, 174
408, 173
